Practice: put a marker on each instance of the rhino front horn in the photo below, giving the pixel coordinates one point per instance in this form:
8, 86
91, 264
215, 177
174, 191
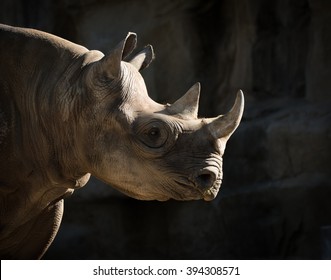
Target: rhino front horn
223, 126
188, 104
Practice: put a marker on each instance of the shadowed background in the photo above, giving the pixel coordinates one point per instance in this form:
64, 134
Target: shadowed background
275, 199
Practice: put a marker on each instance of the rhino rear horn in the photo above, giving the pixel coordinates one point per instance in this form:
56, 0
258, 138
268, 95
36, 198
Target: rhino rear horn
188, 104
112, 62
223, 126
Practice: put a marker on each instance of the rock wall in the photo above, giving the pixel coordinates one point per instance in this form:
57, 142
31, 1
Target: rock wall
275, 198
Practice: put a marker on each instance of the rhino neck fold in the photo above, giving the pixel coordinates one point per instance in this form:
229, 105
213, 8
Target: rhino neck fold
44, 163
45, 113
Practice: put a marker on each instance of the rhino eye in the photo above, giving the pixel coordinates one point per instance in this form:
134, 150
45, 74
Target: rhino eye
154, 133
155, 136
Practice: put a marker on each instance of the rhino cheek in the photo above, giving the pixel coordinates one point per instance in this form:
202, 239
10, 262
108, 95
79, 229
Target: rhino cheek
133, 178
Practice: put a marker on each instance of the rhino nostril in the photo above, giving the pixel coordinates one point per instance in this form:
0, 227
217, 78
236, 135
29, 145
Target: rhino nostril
206, 179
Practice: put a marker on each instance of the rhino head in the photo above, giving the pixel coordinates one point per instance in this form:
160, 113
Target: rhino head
144, 149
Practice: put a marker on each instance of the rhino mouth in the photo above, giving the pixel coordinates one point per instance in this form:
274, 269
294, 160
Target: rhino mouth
211, 193
186, 189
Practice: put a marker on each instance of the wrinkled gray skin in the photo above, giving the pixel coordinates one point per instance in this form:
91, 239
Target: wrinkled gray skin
67, 112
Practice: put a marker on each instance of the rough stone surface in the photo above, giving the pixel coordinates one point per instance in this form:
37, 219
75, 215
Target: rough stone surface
275, 199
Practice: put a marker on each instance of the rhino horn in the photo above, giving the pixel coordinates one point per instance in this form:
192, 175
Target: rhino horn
188, 104
111, 63
143, 58
224, 125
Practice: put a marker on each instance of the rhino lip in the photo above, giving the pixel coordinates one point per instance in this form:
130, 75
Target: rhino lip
186, 184
210, 194
206, 195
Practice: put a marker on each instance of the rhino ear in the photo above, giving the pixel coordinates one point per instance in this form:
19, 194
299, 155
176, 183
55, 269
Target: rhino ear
111, 63
130, 43
143, 58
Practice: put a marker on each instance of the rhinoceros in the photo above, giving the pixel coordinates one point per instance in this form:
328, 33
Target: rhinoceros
67, 112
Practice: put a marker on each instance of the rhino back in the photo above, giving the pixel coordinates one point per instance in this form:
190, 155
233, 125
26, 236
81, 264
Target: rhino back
29, 56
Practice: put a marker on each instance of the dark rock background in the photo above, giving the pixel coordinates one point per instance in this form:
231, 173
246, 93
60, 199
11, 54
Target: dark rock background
275, 198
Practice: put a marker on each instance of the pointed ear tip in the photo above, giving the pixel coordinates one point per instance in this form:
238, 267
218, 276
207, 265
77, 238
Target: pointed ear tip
151, 49
149, 52
133, 34
132, 38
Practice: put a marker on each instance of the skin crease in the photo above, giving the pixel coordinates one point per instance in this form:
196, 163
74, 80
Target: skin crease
67, 112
